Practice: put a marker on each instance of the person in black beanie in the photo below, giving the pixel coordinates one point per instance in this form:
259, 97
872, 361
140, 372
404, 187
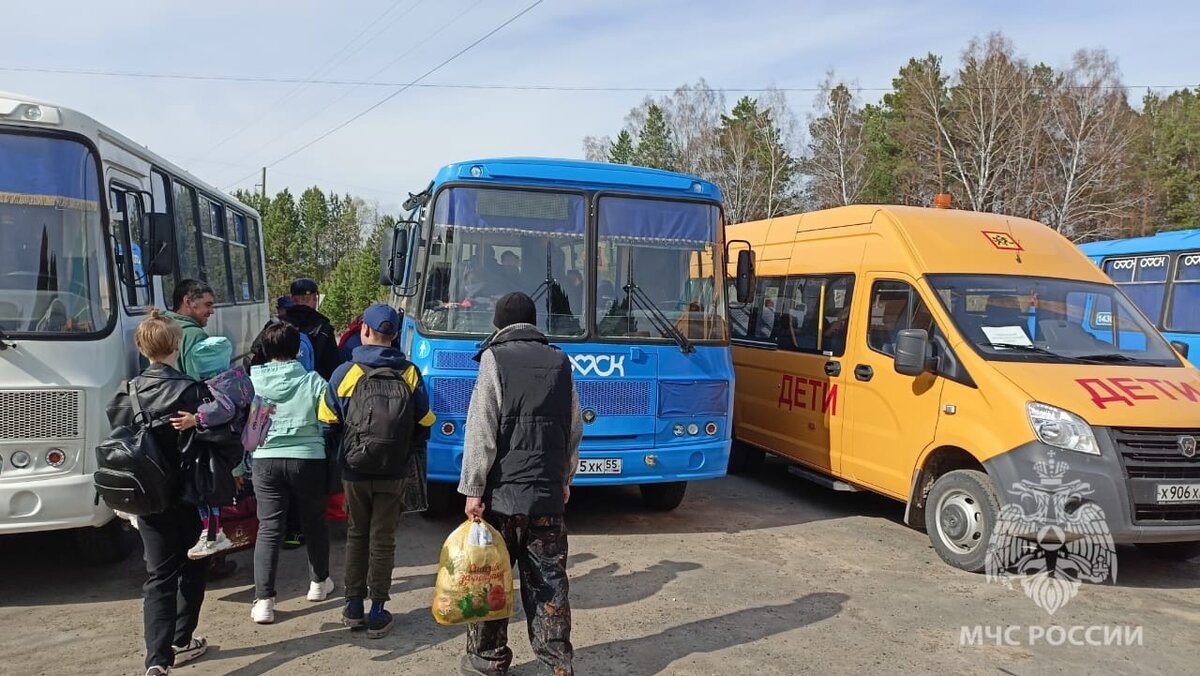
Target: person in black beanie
522, 447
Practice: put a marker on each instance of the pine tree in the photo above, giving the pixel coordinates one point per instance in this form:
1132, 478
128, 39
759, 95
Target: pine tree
655, 147
621, 151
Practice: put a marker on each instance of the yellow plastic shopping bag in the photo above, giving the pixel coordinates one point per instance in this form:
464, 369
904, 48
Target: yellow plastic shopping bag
474, 579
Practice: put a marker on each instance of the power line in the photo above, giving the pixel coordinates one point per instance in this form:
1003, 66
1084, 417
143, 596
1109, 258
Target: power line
325, 66
518, 87
344, 94
398, 92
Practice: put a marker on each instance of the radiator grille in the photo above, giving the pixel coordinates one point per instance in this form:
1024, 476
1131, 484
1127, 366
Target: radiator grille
456, 360
1150, 453
451, 396
40, 414
616, 397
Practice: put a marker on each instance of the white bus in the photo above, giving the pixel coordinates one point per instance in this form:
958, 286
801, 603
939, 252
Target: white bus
95, 229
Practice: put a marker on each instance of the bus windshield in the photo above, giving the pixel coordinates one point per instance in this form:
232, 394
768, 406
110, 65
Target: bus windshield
657, 261
53, 271
1011, 318
488, 242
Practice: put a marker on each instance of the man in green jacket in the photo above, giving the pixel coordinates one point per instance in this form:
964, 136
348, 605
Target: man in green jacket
192, 305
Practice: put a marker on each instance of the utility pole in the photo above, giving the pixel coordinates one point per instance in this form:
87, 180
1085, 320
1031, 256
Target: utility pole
264, 183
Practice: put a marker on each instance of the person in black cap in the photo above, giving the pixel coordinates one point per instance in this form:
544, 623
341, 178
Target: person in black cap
303, 314
522, 447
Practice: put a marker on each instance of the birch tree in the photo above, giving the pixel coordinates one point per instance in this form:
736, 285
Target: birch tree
837, 160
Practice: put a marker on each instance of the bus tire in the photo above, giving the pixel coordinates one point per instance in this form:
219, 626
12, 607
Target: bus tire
107, 544
960, 516
744, 459
663, 497
1170, 551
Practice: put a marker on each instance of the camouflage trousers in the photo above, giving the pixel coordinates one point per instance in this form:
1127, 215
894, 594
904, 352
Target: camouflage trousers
538, 545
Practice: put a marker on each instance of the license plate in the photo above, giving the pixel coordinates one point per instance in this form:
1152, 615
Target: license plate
599, 466
1165, 493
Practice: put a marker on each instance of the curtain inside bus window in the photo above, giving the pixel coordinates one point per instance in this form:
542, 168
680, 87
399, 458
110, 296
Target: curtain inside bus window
54, 275
1184, 313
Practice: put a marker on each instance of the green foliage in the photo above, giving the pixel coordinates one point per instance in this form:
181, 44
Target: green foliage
622, 149
655, 146
1169, 153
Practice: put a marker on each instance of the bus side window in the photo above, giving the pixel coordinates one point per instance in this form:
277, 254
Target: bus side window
258, 273
239, 257
186, 232
895, 306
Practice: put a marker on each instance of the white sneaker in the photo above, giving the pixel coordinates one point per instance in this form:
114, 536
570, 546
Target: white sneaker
319, 591
263, 611
205, 548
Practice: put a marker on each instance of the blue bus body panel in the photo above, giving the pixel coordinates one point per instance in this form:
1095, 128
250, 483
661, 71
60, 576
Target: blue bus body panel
1162, 243
577, 174
639, 393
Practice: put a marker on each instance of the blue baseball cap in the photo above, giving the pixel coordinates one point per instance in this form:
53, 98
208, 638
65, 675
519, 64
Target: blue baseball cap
283, 302
383, 318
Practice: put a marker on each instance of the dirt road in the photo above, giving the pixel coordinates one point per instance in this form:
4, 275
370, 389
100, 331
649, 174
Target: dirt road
765, 574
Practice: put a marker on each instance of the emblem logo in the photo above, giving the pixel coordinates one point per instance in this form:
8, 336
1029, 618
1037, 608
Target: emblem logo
1057, 545
1003, 240
1187, 446
603, 365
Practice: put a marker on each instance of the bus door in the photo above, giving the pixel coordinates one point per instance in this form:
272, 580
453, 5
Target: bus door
894, 416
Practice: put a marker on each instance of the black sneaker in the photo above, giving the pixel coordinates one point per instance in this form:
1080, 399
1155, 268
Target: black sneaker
352, 614
184, 654
293, 540
379, 622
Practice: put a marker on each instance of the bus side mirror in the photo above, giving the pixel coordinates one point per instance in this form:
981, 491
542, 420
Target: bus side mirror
1180, 347
393, 257
161, 260
745, 276
912, 352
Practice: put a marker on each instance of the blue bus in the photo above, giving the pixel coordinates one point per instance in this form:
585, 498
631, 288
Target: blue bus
1161, 274
627, 266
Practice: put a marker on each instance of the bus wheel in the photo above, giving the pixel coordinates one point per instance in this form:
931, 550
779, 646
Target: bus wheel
109, 543
1170, 551
744, 459
960, 514
663, 497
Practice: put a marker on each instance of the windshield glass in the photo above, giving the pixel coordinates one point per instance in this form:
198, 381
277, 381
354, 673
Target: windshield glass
53, 271
1049, 320
656, 270
488, 242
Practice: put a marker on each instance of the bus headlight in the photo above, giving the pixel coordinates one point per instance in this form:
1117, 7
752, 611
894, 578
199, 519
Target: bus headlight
1062, 429
55, 457
677, 430
20, 459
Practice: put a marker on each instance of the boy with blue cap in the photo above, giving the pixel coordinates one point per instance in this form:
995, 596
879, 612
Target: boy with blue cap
378, 412
232, 394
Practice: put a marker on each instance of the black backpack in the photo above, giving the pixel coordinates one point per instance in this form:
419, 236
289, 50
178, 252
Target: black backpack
379, 423
135, 476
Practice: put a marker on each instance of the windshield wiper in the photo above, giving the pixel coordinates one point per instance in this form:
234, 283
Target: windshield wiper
5, 341
1024, 348
657, 318
1116, 357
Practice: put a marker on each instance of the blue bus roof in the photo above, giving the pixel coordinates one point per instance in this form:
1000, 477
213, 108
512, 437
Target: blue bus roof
551, 172
1172, 240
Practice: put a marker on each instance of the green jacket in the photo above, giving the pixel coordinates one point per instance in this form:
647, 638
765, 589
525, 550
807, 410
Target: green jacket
295, 432
192, 333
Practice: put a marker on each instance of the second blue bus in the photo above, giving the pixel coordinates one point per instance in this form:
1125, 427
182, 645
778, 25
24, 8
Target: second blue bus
627, 267
1161, 274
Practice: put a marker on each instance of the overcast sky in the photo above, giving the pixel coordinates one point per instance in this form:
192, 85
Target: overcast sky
224, 131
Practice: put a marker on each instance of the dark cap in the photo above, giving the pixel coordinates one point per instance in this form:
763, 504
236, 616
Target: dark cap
382, 318
304, 286
283, 302
514, 308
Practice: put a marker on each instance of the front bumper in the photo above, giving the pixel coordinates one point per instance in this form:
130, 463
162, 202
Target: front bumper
1100, 480
679, 462
54, 503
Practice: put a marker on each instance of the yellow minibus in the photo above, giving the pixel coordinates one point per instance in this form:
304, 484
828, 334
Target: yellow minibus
966, 364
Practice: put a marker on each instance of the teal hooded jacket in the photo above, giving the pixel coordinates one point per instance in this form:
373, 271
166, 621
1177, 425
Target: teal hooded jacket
295, 431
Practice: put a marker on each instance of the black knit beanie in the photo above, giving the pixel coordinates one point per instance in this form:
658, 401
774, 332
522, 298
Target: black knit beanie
514, 308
